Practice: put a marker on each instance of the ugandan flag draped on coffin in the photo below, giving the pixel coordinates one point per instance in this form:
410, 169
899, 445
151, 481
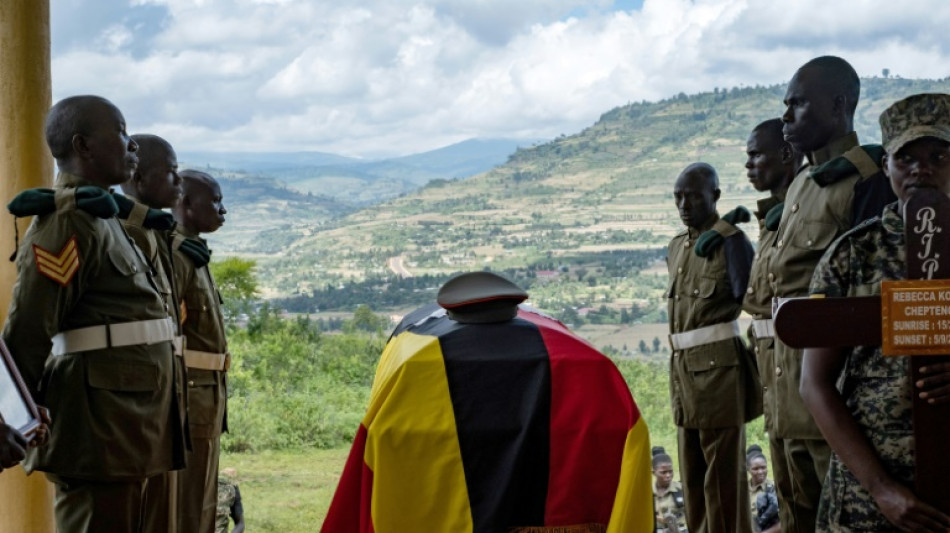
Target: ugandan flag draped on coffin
493, 428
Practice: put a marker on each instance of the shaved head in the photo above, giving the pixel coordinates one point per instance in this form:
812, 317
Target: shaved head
71, 116
838, 77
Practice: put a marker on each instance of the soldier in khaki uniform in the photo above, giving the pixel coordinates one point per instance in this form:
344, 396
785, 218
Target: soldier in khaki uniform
88, 330
713, 382
206, 349
156, 185
840, 186
771, 166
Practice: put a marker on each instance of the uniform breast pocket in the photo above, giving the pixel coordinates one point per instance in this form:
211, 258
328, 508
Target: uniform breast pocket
813, 235
123, 264
199, 308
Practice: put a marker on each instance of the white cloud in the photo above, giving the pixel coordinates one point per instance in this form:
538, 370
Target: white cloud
398, 76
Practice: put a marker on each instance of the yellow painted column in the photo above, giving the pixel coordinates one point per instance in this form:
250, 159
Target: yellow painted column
26, 502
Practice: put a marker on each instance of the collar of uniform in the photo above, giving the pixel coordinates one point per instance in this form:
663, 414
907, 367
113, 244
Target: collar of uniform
760, 486
763, 206
833, 149
891, 219
674, 487
67, 180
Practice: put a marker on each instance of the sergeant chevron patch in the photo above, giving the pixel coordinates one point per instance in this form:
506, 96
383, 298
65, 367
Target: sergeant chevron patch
59, 267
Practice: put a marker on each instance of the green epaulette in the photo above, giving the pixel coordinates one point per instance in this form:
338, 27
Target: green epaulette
152, 219
194, 249
713, 238
94, 200
864, 160
774, 217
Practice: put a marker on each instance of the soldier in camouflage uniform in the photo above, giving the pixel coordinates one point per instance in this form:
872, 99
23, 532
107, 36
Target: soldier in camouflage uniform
771, 166
229, 503
713, 389
867, 418
668, 501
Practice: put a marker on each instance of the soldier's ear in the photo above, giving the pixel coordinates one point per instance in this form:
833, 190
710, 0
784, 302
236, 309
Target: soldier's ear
716, 194
884, 160
80, 145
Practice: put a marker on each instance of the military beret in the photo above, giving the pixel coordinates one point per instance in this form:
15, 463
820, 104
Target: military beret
920, 115
480, 297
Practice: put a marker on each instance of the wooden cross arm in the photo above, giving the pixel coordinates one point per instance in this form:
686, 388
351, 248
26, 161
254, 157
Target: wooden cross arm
829, 322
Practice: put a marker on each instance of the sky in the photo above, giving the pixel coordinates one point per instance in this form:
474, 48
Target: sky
382, 78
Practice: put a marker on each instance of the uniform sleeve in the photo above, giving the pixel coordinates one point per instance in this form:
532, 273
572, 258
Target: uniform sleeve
58, 256
832, 275
739, 255
183, 274
237, 509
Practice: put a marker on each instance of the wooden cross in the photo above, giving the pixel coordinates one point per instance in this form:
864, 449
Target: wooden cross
847, 322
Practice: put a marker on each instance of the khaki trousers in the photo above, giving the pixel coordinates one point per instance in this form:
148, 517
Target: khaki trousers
87, 506
799, 467
713, 475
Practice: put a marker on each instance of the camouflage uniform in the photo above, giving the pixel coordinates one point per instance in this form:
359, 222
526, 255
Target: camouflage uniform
876, 389
229, 497
670, 503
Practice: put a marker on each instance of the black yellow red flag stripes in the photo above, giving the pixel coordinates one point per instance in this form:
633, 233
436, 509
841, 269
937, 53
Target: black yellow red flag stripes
491, 427
59, 267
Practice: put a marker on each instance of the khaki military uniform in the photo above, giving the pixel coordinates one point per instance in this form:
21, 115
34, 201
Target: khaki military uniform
207, 361
112, 405
758, 303
671, 503
814, 215
161, 491
711, 377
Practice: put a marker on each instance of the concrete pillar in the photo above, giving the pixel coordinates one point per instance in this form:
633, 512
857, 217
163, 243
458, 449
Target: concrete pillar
26, 502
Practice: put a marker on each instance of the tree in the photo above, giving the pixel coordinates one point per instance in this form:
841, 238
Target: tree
885, 72
237, 284
364, 319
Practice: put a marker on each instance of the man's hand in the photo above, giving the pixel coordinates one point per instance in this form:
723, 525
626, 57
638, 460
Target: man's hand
41, 436
12, 447
907, 512
935, 388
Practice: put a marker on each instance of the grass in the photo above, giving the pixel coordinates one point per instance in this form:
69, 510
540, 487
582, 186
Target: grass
286, 491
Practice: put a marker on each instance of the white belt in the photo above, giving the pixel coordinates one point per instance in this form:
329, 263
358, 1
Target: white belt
207, 360
763, 328
706, 335
113, 335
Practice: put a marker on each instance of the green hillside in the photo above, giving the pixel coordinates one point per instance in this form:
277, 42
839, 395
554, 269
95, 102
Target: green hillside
558, 206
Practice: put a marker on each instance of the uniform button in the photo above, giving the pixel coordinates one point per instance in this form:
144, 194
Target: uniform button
795, 208
686, 244
781, 242
778, 371
191, 383
677, 296
765, 388
135, 269
204, 307
808, 242
749, 290
756, 349
771, 276
695, 291
679, 269
712, 363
